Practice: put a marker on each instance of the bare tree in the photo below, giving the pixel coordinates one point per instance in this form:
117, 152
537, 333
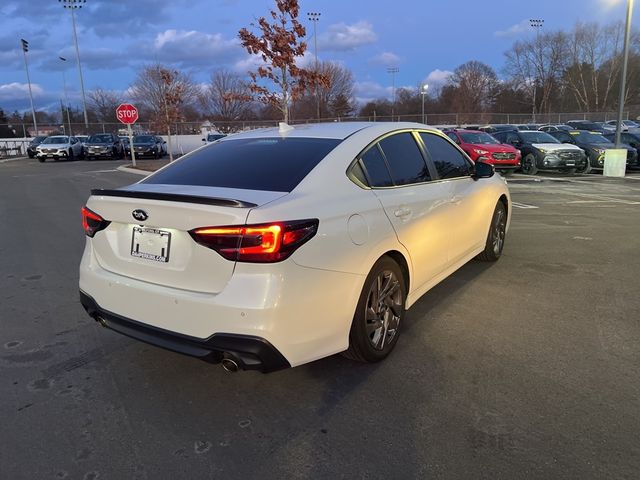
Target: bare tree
164, 93
103, 103
476, 87
538, 65
335, 96
279, 45
226, 97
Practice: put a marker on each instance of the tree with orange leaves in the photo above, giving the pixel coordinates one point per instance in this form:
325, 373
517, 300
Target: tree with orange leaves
279, 44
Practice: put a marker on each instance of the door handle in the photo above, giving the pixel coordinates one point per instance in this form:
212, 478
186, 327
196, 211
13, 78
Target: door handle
402, 212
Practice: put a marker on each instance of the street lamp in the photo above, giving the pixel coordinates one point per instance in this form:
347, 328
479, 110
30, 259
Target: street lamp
623, 78
64, 86
25, 49
423, 92
537, 24
315, 18
72, 6
393, 71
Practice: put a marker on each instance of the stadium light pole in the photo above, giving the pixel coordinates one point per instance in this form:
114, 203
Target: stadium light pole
64, 87
537, 24
393, 71
72, 6
25, 49
315, 18
423, 92
623, 78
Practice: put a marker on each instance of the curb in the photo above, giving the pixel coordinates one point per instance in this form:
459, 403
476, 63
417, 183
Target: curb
134, 170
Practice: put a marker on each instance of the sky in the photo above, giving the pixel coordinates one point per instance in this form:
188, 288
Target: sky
425, 39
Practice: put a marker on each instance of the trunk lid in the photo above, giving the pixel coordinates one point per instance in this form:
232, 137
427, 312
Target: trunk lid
155, 246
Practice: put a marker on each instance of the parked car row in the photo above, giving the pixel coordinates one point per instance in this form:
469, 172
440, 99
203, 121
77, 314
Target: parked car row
100, 145
577, 146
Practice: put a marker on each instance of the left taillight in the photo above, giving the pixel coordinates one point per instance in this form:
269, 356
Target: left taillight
262, 243
92, 222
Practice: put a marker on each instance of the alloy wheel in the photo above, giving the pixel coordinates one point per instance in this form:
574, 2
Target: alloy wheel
383, 309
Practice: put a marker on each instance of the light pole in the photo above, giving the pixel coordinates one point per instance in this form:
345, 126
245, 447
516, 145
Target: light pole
73, 5
393, 71
315, 18
423, 92
537, 24
623, 78
64, 86
25, 49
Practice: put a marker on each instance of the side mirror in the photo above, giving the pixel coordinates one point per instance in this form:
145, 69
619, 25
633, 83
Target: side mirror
483, 170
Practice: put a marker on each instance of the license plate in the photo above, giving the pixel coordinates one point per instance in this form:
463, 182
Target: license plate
570, 164
150, 244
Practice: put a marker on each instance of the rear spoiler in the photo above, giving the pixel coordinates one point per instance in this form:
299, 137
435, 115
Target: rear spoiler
174, 197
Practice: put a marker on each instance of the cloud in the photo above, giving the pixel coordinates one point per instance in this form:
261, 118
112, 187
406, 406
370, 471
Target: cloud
19, 91
386, 59
367, 91
192, 48
438, 77
342, 37
514, 30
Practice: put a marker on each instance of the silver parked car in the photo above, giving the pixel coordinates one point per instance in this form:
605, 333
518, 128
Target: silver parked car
59, 147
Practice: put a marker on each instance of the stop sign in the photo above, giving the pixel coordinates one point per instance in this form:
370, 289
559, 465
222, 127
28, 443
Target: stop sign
127, 113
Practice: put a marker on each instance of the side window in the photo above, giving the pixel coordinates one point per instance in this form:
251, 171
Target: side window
405, 159
449, 162
501, 137
512, 138
565, 137
376, 168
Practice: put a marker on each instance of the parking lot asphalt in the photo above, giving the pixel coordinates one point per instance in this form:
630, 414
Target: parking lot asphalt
526, 368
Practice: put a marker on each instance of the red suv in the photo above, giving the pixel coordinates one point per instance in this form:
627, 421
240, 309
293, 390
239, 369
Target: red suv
482, 146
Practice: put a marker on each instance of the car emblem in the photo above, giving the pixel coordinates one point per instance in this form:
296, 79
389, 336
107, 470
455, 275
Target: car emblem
140, 215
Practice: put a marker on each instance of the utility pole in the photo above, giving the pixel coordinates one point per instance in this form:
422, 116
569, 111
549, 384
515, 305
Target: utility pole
537, 24
393, 71
623, 78
66, 98
25, 49
315, 18
423, 92
74, 5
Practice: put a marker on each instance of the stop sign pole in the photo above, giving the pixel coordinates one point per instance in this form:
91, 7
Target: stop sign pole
128, 114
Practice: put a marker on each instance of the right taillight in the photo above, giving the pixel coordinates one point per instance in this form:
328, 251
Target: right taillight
262, 243
92, 222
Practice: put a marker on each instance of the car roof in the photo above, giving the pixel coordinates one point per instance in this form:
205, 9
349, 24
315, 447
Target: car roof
335, 130
464, 130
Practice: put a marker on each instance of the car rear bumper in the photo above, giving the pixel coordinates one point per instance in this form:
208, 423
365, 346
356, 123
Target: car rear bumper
304, 313
249, 352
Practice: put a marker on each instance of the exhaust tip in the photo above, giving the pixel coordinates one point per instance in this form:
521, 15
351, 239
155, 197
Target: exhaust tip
229, 365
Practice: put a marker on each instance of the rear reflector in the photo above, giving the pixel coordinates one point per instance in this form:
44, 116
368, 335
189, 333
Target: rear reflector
92, 222
264, 243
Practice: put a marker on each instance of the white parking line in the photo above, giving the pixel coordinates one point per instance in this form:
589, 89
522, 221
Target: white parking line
522, 205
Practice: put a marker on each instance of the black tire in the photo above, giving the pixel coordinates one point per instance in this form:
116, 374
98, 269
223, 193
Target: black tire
71, 157
370, 330
496, 236
587, 166
529, 164
41, 160
31, 155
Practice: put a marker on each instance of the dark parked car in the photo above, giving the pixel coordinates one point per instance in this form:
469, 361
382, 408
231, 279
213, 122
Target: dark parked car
540, 151
501, 127
594, 145
31, 148
149, 145
212, 137
103, 145
556, 128
587, 125
628, 138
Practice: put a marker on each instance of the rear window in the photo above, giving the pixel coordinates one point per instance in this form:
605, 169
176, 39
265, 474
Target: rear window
269, 164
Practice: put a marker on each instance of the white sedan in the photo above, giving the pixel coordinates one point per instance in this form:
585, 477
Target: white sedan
59, 147
277, 247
